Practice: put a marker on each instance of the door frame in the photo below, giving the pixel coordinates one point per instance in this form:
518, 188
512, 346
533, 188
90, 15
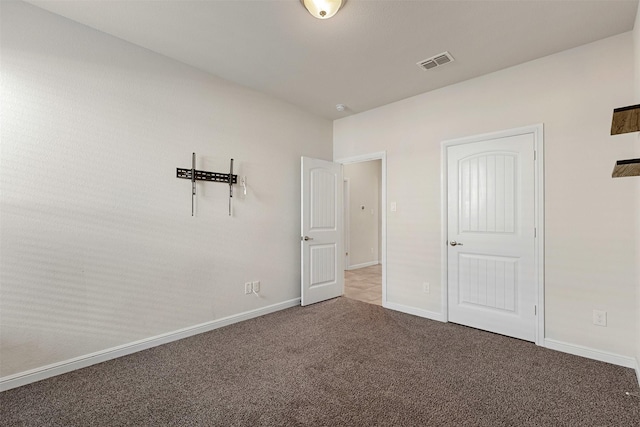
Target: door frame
346, 211
538, 138
382, 156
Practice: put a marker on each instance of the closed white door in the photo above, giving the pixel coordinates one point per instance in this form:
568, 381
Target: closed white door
321, 237
491, 235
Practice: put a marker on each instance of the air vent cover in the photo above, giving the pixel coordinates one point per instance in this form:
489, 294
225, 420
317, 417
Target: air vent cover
435, 61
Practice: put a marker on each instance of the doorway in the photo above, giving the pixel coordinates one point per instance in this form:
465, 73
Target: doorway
364, 228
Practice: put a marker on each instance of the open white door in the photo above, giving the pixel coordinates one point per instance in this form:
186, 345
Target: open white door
321, 236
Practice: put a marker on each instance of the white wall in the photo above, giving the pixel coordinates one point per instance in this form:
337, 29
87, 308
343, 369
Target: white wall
591, 219
98, 244
364, 224
636, 40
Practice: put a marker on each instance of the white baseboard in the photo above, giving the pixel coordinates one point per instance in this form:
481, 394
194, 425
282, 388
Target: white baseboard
638, 371
590, 353
415, 311
363, 265
44, 372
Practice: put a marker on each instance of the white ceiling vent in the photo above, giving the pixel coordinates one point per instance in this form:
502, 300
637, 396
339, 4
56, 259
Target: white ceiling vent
435, 61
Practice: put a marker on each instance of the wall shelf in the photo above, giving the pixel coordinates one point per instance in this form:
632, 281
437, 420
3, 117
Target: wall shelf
625, 120
630, 167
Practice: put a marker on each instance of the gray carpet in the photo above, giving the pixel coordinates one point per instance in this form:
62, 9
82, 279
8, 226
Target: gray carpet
337, 363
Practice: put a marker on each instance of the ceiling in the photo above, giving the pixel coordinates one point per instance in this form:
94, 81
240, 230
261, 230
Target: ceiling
363, 57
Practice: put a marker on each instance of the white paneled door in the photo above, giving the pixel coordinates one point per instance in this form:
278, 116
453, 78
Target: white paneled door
491, 235
321, 245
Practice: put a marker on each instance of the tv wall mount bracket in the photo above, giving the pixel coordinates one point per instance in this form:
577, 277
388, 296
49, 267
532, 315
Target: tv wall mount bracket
197, 175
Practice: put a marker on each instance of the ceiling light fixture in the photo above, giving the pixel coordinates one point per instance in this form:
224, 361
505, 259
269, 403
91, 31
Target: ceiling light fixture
322, 9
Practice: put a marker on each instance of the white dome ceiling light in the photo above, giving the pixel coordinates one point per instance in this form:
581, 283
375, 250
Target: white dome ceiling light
322, 9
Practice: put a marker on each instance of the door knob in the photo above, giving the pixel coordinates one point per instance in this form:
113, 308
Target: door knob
454, 243
306, 238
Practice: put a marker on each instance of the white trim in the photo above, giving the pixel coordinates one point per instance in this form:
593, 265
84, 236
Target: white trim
538, 135
362, 265
416, 311
346, 222
362, 158
444, 233
591, 353
382, 156
33, 375
638, 370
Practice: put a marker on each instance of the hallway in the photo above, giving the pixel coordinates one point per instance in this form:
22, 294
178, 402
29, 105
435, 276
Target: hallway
364, 284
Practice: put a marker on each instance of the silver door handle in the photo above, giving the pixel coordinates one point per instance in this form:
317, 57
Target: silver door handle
454, 243
306, 238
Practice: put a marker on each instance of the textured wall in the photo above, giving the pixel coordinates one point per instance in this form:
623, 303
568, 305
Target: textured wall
98, 244
590, 218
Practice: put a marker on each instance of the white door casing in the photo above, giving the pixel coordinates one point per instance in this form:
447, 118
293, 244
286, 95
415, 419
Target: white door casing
345, 222
321, 231
492, 255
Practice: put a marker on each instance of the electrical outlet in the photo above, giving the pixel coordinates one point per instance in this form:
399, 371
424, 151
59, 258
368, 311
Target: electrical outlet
426, 288
599, 317
248, 288
256, 286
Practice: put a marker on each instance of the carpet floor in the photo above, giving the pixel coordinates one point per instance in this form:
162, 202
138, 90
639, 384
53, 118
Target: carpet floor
337, 363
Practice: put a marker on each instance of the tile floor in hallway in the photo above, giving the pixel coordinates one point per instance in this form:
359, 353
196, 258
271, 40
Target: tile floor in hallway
364, 284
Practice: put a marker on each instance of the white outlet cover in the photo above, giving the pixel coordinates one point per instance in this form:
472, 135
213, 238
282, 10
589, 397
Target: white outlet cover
256, 286
599, 318
248, 288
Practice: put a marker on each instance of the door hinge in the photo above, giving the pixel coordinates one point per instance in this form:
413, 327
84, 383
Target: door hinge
535, 310
535, 155
535, 232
